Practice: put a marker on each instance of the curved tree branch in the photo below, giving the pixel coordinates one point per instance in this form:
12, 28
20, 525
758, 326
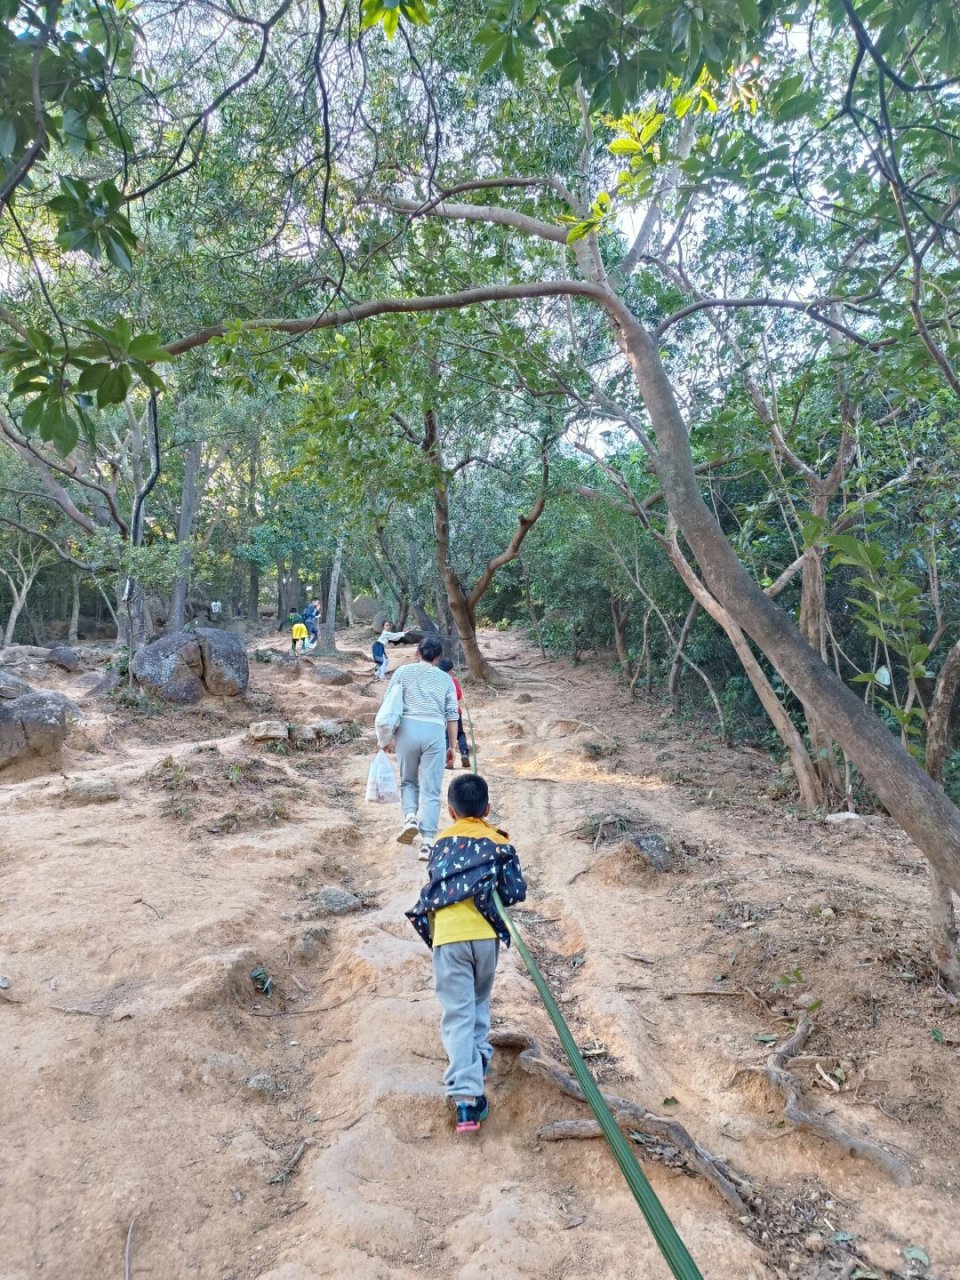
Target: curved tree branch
394, 306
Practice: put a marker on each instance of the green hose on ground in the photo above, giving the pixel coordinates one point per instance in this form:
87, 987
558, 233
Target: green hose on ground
664, 1232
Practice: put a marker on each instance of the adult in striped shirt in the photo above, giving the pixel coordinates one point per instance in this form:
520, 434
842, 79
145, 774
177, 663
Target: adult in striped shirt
425, 741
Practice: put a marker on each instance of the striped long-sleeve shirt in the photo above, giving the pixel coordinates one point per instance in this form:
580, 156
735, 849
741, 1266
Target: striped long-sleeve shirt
428, 693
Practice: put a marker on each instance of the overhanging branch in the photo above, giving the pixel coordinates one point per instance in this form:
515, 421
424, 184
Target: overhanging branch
395, 306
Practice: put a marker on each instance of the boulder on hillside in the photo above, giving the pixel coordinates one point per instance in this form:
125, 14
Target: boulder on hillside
182, 667
171, 668
35, 724
12, 686
226, 671
65, 657
366, 609
327, 673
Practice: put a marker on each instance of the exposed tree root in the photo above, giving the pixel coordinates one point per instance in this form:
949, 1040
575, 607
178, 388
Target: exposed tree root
778, 1075
630, 1116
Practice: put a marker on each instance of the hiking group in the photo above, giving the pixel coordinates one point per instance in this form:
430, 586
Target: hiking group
304, 626
421, 720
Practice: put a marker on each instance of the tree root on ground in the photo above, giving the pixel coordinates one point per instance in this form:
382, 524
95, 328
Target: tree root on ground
776, 1072
630, 1116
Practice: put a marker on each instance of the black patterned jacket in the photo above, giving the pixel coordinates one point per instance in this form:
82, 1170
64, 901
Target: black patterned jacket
470, 860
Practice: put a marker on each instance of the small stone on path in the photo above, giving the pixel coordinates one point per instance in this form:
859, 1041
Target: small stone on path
268, 730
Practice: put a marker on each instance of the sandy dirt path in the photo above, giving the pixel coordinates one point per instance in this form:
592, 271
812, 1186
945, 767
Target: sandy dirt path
306, 1135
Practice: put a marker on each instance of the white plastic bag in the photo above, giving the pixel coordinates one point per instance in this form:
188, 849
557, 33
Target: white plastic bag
390, 712
382, 787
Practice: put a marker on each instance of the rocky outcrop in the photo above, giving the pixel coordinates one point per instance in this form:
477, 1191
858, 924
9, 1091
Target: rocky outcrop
327, 673
226, 671
184, 666
64, 657
12, 686
171, 668
33, 725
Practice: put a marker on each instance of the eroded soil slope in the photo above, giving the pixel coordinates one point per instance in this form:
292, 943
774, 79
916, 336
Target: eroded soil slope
683, 915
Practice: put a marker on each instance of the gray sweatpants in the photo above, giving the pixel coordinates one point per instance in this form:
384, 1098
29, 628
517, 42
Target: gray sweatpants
464, 973
421, 754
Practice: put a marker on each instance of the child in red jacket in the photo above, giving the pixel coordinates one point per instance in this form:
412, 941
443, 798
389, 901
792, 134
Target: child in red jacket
446, 665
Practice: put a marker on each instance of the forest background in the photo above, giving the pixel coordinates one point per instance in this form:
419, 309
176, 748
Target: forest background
633, 324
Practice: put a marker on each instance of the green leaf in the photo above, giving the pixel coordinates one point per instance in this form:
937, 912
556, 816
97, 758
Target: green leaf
671, 1102
493, 55
765, 1037
117, 251
92, 376
938, 1036
114, 386
146, 346
913, 1254
796, 107
32, 414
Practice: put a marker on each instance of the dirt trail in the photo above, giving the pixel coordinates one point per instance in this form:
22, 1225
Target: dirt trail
304, 1135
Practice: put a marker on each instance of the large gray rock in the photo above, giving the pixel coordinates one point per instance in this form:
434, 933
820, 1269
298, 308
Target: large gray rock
226, 671
366, 609
330, 901
12, 686
327, 673
65, 657
171, 668
34, 724
182, 667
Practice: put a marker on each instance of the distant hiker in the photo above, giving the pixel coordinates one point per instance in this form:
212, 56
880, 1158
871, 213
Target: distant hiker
380, 656
298, 630
446, 665
425, 740
457, 917
311, 619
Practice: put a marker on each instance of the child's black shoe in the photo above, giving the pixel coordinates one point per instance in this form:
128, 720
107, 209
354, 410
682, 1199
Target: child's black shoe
471, 1114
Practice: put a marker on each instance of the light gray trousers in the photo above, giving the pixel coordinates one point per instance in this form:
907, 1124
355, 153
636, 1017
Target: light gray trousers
464, 973
421, 754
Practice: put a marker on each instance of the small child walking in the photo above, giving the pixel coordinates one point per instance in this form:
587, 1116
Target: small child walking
446, 665
298, 631
380, 656
456, 916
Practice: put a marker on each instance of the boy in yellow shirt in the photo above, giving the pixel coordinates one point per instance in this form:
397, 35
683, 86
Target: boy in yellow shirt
457, 917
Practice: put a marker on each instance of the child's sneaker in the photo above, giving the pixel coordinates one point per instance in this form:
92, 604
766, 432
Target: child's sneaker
410, 829
470, 1115
426, 848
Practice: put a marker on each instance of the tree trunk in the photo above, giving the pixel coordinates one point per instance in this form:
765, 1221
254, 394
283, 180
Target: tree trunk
253, 593
676, 667
789, 735
911, 796
18, 598
327, 642
189, 501
74, 625
346, 598
813, 628
943, 920
531, 610
620, 614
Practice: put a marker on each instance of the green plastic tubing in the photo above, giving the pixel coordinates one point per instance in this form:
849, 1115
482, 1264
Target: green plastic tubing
664, 1232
